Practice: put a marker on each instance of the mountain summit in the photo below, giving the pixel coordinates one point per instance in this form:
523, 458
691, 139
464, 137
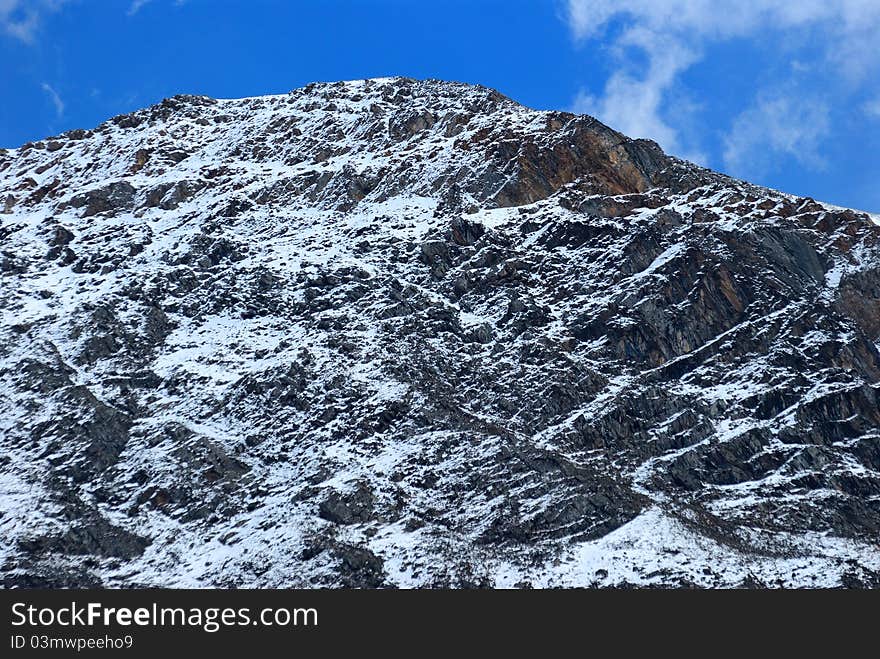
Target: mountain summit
411, 333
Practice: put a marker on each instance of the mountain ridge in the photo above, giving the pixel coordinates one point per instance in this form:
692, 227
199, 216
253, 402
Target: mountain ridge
412, 333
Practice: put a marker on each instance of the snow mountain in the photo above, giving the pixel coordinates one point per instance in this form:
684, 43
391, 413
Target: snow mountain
400, 333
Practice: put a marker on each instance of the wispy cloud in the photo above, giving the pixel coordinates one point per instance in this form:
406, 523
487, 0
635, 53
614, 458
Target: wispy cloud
54, 98
872, 108
672, 35
17, 20
783, 124
696, 21
135, 6
633, 104
21, 19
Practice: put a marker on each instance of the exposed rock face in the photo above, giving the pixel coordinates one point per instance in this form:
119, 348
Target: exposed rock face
392, 332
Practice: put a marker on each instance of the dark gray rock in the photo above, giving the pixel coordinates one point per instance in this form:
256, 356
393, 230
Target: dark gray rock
351, 508
112, 198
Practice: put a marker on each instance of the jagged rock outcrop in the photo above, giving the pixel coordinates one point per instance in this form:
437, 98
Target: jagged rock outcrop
394, 332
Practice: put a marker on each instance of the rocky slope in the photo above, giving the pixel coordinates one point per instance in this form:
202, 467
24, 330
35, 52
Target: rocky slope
402, 333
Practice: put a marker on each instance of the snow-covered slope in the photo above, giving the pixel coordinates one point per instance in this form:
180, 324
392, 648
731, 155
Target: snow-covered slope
407, 333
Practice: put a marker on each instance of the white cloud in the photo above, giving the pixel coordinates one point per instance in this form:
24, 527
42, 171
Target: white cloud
135, 6
725, 19
872, 108
54, 98
673, 34
21, 19
780, 124
17, 21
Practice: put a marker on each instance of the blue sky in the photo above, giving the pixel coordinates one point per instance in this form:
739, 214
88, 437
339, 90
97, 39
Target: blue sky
781, 92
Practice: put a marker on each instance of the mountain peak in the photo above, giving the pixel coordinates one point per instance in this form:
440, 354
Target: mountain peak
340, 143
